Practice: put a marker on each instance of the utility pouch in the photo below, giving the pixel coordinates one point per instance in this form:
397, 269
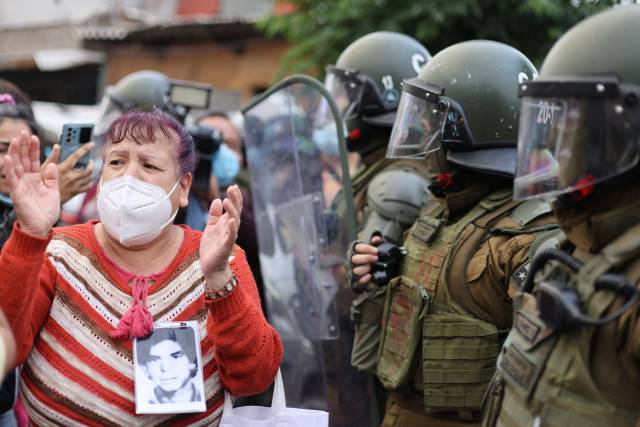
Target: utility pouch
459, 359
405, 305
366, 314
527, 348
492, 401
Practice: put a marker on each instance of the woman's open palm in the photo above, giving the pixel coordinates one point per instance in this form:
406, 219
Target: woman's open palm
220, 234
35, 193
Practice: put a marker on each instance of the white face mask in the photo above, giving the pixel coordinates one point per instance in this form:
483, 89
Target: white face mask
133, 211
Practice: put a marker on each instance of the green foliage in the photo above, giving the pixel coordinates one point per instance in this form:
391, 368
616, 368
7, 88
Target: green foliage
320, 30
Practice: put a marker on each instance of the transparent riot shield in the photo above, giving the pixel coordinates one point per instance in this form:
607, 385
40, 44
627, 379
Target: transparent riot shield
297, 162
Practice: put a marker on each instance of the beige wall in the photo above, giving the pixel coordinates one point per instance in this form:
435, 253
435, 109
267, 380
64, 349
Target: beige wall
253, 66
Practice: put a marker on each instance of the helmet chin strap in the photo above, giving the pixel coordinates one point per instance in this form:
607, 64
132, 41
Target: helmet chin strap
441, 175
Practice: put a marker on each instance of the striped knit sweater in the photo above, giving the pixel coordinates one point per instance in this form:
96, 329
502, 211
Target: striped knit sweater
63, 298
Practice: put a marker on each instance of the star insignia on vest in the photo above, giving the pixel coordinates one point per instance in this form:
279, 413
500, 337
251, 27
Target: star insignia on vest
520, 275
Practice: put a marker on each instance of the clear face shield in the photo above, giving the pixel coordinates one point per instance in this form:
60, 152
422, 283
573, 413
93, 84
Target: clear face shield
342, 94
420, 122
573, 135
355, 93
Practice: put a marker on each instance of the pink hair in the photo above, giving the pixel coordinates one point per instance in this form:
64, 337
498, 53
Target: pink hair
142, 127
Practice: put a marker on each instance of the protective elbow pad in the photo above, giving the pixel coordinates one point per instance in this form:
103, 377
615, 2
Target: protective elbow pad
394, 197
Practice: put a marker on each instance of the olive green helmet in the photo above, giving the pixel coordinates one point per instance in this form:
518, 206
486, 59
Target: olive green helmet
580, 121
141, 89
366, 80
465, 100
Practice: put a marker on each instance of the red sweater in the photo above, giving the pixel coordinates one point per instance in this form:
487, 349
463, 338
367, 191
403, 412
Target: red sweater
63, 298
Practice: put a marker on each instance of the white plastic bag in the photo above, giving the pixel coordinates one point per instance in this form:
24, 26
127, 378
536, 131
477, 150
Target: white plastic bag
278, 415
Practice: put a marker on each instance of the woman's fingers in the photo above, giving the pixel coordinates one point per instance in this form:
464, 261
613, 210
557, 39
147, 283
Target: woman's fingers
232, 229
50, 176
34, 154
215, 212
231, 209
228, 227
10, 173
235, 195
14, 155
23, 151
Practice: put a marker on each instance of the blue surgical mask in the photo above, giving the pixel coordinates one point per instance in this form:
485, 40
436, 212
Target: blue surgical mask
326, 139
225, 165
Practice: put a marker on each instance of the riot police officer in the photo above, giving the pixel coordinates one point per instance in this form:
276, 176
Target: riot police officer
446, 312
573, 355
365, 83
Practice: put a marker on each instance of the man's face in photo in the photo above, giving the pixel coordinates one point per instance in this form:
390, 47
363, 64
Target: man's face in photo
168, 366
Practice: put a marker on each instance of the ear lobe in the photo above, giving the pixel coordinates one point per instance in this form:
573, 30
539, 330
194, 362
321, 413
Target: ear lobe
185, 185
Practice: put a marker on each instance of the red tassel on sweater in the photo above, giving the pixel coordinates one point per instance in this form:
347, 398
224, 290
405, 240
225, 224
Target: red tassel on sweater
137, 322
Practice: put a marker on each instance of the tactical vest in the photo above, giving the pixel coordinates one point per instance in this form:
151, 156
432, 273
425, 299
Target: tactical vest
366, 309
430, 344
544, 378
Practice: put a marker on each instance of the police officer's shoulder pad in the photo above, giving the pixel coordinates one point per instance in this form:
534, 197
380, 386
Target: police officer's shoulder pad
530, 210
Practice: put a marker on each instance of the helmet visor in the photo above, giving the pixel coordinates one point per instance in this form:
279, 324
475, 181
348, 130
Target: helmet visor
345, 92
569, 143
418, 127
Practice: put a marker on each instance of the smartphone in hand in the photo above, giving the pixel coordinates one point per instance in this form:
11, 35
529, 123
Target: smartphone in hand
73, 136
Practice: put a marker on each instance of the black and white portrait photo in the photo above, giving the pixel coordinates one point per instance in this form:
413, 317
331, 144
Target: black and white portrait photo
168, 370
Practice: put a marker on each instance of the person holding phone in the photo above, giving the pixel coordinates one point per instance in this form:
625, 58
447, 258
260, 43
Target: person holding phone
15, 118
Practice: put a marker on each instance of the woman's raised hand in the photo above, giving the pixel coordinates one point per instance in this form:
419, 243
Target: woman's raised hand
218, 238
35, 194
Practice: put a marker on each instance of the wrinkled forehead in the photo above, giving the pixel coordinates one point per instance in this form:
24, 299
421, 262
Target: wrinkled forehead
143, 133
163, 147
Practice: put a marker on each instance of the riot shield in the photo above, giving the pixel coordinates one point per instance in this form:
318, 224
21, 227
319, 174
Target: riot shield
297, 161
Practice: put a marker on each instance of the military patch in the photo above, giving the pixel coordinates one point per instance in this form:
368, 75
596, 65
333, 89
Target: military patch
425, 228
520, 275
526, 327
517, 366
